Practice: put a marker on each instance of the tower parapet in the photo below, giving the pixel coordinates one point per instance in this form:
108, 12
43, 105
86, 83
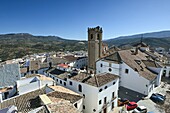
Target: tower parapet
96, 29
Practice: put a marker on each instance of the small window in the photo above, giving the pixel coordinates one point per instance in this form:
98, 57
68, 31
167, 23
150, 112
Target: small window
126, 71
57, 80
80, 88
83, 106
113, 83
60, 82
101, 65
91, 36
98, 36
110, 69
84, 95
71, 83
75, 105
100, 102
105, 87
113, 94
112, 105
94, 110
100, 90
64, 84
65, 79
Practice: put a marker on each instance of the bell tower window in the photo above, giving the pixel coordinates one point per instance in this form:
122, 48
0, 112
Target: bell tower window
91, 36
98, 36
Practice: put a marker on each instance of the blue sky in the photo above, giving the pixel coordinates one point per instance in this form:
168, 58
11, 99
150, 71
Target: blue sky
71, 18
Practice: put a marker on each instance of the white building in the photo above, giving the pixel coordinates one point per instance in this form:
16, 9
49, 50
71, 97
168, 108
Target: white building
32, 82
100, 91
166, 71
134, 73
9, 73
160, 50
76, 62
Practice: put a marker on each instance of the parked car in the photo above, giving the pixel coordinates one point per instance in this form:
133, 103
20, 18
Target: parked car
158, 98
140, 109
123, 101
131, 106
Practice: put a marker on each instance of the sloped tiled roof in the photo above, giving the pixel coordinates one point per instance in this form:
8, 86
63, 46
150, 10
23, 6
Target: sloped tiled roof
66, 96
101, 79
95, 80
150, 63
34, 65
25, 102
23, 70
135, 62
62, 106
70, 58
113, 57
80, 77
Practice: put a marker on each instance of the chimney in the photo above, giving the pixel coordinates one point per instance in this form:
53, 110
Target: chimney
136, 51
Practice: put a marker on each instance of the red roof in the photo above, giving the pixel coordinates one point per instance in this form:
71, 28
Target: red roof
63, 65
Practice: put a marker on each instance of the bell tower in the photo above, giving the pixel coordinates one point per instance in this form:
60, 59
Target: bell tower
94, 47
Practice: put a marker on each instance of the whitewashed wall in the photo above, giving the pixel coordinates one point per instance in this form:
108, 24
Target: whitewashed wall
133, 80
106, 66
9, 73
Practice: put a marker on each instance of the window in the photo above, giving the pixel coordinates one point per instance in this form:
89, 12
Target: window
64, 84
65, 79
101, 65
75, 105
100, 90
91, 36
105, 87
80, 88
100, 102
113, 83
110, 69
105, 100
112, 105
126, 71
98, 36
83, 106
113, 94
71, 83
84, 95
94, 110
57, 80
36, 72
60, 82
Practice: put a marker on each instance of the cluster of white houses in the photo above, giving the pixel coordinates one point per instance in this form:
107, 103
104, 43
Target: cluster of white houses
79, 84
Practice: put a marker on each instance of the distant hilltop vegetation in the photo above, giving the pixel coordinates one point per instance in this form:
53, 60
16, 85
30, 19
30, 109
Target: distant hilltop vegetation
154, 39
18, 45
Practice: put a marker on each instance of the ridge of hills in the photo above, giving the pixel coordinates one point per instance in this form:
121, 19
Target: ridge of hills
154, 39
17, 45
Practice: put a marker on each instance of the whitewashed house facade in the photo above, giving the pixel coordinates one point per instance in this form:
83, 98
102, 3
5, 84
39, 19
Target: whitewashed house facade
134, 73
100, 91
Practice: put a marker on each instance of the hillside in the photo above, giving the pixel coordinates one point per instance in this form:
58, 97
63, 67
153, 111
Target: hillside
155, 39
21, 44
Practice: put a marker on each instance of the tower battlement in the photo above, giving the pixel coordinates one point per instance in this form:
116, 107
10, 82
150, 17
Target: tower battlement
97, 29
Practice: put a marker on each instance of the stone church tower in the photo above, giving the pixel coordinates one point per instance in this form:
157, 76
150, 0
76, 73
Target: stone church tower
94, 47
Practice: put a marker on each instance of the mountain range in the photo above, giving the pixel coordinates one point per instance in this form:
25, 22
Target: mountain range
16, 45
154, 39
